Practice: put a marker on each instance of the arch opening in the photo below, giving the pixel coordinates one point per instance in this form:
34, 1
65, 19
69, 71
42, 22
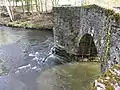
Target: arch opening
87, 46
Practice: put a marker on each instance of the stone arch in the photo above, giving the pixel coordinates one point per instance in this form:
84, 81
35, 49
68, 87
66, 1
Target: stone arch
87, 46
71, 23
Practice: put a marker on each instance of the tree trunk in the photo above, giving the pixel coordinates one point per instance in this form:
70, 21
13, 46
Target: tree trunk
46, 6
52, 2
41, 5
32, 7
37, 8
13, 3
36, 4
28, 6
23, 7
16, 3
7, 4
11, 9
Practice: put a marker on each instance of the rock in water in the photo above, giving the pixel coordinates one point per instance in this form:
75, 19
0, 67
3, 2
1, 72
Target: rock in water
57, 56
52, 60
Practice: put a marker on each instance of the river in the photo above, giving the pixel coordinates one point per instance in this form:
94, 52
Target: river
22, 53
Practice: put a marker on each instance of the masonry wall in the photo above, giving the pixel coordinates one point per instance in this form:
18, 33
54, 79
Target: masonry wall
71, 23
115, 43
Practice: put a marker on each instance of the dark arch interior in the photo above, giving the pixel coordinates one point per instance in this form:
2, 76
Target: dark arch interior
87, 46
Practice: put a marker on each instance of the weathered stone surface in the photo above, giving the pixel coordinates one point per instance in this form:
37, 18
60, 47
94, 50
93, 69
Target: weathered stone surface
109, 81
72, 23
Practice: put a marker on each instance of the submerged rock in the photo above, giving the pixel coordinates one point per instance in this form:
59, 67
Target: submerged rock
57, 56
53, 60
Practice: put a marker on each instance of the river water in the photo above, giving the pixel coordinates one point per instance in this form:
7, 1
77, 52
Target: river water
22, 53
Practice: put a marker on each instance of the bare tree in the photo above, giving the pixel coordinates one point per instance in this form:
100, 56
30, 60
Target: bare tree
13, 3
28, 6
54, 2
41, 5
46, 5
22, 6
16, 3
7, 4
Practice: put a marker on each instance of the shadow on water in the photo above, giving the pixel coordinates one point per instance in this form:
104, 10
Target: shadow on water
27, 56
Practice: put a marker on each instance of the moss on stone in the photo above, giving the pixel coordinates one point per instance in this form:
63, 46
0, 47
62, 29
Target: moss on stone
92, 6
28, 25
116, 17
110, 78
108, 12
108, 27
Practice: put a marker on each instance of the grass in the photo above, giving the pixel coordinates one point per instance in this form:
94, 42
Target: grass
28, 25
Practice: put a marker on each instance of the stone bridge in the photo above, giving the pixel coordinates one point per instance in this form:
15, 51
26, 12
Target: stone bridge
72, 23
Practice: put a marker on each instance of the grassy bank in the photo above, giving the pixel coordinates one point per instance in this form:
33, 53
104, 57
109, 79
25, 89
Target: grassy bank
28, 25
43, 22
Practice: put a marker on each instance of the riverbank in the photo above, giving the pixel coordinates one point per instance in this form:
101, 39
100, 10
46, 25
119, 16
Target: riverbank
33, 21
